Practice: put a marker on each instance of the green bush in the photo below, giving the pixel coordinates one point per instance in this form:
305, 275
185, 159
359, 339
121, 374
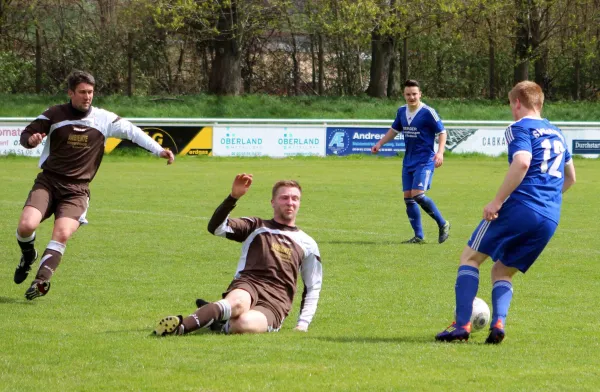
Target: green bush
14, 72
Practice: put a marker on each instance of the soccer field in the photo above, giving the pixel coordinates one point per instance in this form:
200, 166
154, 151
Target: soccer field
146, 254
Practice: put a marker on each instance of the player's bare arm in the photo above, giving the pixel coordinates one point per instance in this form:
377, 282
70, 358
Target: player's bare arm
438, 158
241, 184
516, 172
569, 176
390, 135
168, 155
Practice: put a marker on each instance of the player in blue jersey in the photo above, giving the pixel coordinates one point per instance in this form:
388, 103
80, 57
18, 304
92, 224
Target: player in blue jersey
419, 124
519, 222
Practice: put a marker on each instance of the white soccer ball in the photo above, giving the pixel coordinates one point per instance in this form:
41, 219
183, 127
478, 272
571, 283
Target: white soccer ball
480, 318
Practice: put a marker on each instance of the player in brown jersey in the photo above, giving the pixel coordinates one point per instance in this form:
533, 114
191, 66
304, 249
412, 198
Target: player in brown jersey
75, 133
273, 252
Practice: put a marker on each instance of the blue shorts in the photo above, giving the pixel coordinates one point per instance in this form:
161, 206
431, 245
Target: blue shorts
516, 238
418, 178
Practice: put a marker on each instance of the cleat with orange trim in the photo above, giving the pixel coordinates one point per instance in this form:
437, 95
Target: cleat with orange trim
454, 332
497, 334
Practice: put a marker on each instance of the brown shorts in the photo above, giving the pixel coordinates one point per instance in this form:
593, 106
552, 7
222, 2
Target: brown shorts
53, 195
262, 301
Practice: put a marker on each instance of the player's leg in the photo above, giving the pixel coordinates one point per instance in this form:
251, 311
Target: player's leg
37, 208
412, 209
465, 290
421, 183
502, 292
237, 301
52, 256
526, 243
72, 202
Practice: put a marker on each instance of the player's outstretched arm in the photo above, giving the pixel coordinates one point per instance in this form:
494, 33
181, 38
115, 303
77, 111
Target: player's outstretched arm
241, 184
168, 155
312, 276
390, 135
516, 172
569, 176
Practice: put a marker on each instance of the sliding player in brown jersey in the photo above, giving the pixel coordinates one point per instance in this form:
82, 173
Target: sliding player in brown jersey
75, 133
273, 252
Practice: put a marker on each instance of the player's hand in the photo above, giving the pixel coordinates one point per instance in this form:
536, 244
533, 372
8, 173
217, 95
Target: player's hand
241, 184
490, 212
438, 159
375, 148
167, 154
35, 139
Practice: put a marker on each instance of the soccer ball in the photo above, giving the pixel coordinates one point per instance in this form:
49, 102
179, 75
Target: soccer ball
480, 317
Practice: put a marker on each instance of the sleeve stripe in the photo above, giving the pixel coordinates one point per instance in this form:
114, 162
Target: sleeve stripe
433, 113
508, 135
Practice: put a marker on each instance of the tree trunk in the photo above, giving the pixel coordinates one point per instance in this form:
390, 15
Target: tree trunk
404, 73
108, 13
38, 60
492, 67
313, 63
540, 64
321, 66
576, 92
295, 67
226, 75
394, 81
130, 64
382, 48
521, 67
2, 11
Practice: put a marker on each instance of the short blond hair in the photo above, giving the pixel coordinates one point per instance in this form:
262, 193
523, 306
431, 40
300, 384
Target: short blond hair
285, 183
530, 94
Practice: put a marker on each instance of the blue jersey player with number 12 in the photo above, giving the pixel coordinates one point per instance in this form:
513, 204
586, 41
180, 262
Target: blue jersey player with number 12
419, 124
518, 224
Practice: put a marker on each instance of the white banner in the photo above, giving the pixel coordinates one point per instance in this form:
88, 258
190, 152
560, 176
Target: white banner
491, 141
9, 142
268, 141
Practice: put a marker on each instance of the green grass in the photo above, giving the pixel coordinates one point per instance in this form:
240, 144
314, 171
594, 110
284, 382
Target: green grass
146, 254
266, 106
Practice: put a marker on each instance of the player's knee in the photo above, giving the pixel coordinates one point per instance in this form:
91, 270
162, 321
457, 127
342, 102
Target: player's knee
61, 234
238, 307
246, 323
419, 197
27, 226
502, 272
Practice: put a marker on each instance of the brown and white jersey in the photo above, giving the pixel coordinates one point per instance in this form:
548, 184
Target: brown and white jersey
274, 253
75, 140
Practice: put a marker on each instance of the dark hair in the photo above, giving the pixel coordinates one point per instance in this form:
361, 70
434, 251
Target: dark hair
76, 77
411, 83
285, 183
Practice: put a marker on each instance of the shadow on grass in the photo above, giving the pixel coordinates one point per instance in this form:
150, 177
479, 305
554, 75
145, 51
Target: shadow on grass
383, 242
377, 340
11, 300
130, 330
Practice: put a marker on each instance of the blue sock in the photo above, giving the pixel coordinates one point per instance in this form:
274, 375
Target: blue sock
502, 293
414, 216
467, 284
430, 208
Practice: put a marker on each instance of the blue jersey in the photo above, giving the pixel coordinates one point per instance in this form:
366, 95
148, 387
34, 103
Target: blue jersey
419, 134
541, 189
